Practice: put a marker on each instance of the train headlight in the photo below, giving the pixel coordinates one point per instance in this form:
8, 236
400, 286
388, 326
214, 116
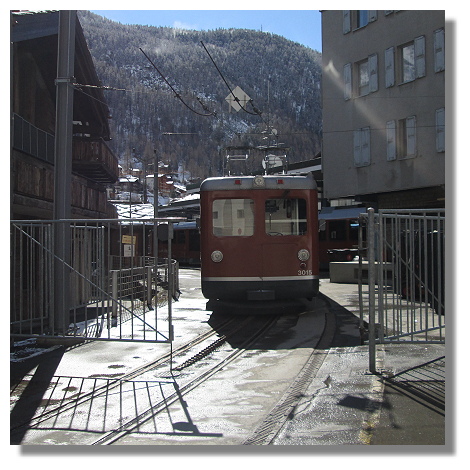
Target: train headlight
303, 255
217, 256
258, 182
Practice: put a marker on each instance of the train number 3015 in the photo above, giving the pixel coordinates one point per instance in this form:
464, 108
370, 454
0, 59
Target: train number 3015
304, 272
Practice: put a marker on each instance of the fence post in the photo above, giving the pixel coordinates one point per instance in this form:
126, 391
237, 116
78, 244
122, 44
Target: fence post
148, 270
63, 169
361, 250
170, 281
371, 262
114, 292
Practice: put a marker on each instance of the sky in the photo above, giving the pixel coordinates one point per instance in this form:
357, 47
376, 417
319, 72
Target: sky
302, 26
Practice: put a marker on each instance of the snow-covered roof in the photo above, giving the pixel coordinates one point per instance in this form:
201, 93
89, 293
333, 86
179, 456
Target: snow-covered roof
135, 211
128, 179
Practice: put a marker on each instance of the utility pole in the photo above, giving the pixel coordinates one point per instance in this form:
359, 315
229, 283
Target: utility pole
63, 169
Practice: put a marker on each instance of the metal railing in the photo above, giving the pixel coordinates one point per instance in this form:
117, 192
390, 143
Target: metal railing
108, 285
405, 255
31, 140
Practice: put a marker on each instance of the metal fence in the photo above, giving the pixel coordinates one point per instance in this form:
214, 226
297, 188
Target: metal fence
405, 261
106, 284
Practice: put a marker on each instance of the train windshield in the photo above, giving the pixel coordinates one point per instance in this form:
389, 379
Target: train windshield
285, 216
233, 217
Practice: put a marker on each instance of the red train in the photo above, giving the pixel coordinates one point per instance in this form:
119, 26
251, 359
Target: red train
338, 234
259, 238
185, 245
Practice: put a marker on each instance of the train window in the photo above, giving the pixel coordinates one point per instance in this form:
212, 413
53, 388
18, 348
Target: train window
322, 230
194, 241
353, 230
233, 217
337, 230
285, 216
180, 237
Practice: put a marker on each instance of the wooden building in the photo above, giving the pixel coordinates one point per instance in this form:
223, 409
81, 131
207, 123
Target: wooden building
34, 50
34, 46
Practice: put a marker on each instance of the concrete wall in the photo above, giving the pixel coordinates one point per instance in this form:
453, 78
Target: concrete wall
420, 97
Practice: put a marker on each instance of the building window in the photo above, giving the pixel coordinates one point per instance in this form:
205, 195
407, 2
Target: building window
440, 130
367, 81
406, 137
355, 19
362, 147
412, 60
363, 77
439, 50
408, 63
362, 18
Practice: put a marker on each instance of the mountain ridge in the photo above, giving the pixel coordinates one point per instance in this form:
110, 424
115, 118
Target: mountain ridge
281, 77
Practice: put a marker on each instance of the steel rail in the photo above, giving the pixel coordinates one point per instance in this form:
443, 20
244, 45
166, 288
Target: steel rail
126, 428
272, 424
96, 393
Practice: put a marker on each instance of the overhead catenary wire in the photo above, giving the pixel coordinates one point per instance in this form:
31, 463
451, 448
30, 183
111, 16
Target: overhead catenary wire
208, 113
80, 88
257, 111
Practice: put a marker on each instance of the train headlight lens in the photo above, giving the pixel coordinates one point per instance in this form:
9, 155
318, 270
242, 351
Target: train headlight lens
303, 255
258, 182
217, 256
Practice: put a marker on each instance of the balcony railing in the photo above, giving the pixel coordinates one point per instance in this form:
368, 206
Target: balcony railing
94, 160
31, 140
90, 158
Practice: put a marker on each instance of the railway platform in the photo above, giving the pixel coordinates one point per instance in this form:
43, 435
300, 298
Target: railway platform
405, 403
343, 405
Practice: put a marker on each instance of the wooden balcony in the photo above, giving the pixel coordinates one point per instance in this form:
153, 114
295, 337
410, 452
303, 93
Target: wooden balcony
94, 160
90, 158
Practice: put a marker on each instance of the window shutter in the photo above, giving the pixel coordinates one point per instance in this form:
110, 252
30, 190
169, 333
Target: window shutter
391, 141
362, 147
420, 63
357, 148
346, 21
347, 76
439, 54
365, 150
411, 136
440, 130
373, 76
389, 67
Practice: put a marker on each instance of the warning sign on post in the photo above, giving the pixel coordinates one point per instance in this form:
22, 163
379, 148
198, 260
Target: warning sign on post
128, 250
128, 239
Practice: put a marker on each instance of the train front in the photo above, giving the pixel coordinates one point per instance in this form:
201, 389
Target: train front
259, 238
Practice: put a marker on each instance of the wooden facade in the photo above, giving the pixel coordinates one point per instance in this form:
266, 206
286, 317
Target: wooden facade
34, 44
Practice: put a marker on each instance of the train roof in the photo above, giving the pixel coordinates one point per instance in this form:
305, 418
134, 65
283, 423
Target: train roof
259, 182
190, 224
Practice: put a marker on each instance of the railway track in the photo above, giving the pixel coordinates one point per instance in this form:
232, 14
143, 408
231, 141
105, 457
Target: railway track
114, 436
270, 426
166, 366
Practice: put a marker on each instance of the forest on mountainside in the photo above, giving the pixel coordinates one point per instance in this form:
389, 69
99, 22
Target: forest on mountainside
176, 106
